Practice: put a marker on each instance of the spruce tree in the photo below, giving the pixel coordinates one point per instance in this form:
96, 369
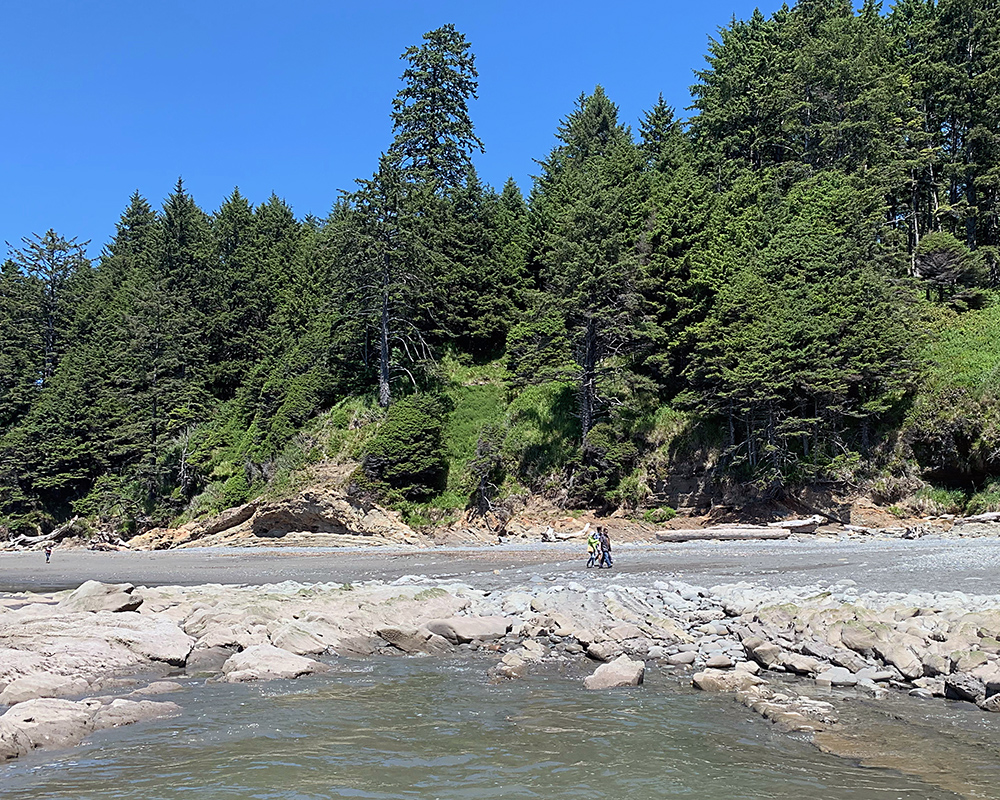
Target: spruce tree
434, 135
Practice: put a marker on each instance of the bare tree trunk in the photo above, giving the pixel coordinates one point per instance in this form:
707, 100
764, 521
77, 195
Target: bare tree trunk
588, 380
384, 395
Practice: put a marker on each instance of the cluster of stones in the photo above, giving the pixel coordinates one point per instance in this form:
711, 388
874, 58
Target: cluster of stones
75, 645
944, 644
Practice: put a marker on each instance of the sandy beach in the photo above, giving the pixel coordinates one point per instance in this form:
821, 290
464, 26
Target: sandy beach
928, 564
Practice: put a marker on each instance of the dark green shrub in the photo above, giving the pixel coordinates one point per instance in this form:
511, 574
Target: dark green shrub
406, 457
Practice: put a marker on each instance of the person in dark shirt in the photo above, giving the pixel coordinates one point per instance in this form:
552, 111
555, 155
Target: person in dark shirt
605, 540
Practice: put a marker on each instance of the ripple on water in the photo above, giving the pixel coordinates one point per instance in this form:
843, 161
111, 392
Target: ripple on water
417, 728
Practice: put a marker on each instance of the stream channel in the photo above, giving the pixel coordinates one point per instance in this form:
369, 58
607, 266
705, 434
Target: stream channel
438, 728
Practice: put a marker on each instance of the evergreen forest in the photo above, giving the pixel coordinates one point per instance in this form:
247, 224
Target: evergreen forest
793, 283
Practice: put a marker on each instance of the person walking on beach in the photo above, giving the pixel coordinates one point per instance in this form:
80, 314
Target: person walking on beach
605, 541
48, 553
593, 548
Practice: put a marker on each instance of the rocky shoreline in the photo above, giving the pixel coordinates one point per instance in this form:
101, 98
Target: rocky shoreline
67, 658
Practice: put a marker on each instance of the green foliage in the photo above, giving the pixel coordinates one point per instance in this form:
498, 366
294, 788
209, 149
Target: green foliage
740, 295
953, 426
542, 432
986, 500
658, 515
406, 457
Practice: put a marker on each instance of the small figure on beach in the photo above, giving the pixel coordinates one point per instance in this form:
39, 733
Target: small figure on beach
48, 553
593, 548
605, 542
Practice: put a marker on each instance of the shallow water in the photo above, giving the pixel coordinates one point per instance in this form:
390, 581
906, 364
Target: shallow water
423, 728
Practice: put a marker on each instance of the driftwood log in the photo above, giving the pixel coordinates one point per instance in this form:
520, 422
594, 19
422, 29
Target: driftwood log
807, 525
990, 516
64, 530
723, 533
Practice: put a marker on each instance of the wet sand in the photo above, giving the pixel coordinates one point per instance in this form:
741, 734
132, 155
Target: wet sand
929, 564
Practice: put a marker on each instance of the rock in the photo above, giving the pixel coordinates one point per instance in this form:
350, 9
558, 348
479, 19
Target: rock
322, 511
97, 596
625, 631
874, 675
414, 640
299, 638
901, 657
748, 666
458, 630
604, 651
31, 687
935, 664
157, 687
127, 712
861, 637
682, 659
227, 519
836, 676
719, 661
767, 654
623, 671
991, 703
800, 664
206, 660
714, 680
964, 687
265, 662
933, 685
50, 722
967, 660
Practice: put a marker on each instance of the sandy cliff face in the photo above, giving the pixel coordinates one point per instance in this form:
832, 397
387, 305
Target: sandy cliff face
315, 517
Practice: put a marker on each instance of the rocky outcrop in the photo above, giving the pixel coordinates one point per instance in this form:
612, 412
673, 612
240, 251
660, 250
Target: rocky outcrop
53, 723
48, 640
318, 514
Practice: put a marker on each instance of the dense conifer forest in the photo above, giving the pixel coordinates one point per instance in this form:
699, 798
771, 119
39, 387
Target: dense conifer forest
794, 287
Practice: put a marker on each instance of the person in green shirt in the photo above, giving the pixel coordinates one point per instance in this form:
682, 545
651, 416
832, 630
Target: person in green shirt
593, 548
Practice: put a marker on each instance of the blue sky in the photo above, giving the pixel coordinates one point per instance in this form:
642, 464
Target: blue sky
101, 97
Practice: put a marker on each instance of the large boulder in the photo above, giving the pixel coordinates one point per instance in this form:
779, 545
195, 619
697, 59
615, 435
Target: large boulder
623, 671
964, 687
900, 656
51, 722
264, 662
97, 596
31, 687
459, 630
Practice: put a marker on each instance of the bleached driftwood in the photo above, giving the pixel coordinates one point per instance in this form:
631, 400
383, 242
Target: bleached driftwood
723, 533
64, 530
989, 516
806, 525
562, 536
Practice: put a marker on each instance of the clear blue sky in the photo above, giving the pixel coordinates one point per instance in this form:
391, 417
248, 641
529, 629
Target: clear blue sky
103, 97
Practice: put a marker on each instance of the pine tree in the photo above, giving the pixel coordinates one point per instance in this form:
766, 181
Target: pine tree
587, 201
62, 269
384, 281
21, 351
434, 134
